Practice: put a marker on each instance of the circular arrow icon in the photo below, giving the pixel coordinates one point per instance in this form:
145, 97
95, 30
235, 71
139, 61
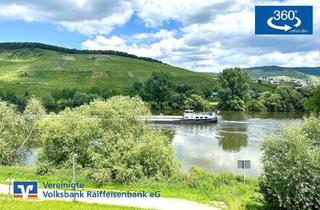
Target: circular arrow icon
285, 27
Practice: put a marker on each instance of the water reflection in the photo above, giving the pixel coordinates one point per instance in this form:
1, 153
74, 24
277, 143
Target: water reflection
217, 147
232, 132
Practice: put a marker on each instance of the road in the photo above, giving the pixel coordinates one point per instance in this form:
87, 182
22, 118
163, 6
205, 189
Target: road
147, 203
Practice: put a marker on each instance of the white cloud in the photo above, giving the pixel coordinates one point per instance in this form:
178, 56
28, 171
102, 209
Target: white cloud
162, 34
156, 50
154, 13
17, 12
103, 26
84, 16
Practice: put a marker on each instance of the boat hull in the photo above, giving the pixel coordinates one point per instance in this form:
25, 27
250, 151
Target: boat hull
167, 120
200, 121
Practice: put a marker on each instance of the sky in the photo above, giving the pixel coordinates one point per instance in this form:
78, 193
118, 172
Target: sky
200, 35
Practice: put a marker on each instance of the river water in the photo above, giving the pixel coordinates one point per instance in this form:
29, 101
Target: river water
236, 136
217, 147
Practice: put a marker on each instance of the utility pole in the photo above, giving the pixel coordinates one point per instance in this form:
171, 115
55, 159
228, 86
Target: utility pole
74, 156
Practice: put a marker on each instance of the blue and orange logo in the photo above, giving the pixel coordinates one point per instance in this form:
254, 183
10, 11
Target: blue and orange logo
25, 189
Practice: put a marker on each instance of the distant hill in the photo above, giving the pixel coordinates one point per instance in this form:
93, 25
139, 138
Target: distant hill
39, 69
303, 74
295, 72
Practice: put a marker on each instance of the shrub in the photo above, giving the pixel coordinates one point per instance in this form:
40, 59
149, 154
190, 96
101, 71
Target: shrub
110, 140
13, 131
196, 102
255, 105
291, 160
42, 168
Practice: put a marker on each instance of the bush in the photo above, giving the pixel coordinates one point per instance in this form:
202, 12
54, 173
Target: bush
271, 101
196, 102
14, 131
313, 102
42, 168
291, 160
110, 140
255, 105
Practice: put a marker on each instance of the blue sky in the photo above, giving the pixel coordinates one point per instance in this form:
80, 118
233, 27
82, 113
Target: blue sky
202, 35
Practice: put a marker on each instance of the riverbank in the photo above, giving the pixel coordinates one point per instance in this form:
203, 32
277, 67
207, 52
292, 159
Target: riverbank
220, 190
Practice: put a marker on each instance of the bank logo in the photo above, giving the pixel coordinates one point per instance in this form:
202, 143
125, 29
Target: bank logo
284, 20
25, 189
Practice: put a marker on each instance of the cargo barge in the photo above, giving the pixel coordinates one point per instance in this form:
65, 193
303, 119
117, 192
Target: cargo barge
189, 116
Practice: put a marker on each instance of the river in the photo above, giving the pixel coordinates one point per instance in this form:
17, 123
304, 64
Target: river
236, 136
217, 147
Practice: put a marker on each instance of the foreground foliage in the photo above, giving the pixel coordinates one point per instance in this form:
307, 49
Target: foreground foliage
291, 166
110, 139
17, 130
13, 131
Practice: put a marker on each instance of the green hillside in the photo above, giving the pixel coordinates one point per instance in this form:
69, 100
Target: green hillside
290, 72
39, 69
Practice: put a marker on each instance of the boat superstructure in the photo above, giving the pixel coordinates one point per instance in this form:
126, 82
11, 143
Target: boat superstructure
189, 116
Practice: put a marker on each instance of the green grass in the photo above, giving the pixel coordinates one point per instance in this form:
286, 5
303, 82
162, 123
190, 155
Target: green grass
40, 71
199, 185
15, 204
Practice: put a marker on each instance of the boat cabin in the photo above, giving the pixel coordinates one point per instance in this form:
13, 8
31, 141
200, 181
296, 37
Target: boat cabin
191, 115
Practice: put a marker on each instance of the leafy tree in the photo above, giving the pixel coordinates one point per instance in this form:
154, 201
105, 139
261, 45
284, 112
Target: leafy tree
12, 98
291, 166
111, 139
313, 103
183, 88
196, 102
290, 99
50, 103
158, 86
81, 98
256, 105
65, 134
233, 89
271, 101
34, 109
176, 100
137, 86
13, 131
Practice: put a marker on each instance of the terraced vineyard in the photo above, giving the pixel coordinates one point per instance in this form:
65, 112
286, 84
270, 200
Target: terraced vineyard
39, 71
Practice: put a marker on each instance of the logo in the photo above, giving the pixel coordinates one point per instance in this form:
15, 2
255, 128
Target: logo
284, 20
25, 189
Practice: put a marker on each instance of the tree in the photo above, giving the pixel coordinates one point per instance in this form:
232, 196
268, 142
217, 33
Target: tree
112, 140
291, 166
233, 89
13, 131
290, 99
158, 86
34, 109
176, 101
196, 102
65, 134
313, 103
256, 105
271, 101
